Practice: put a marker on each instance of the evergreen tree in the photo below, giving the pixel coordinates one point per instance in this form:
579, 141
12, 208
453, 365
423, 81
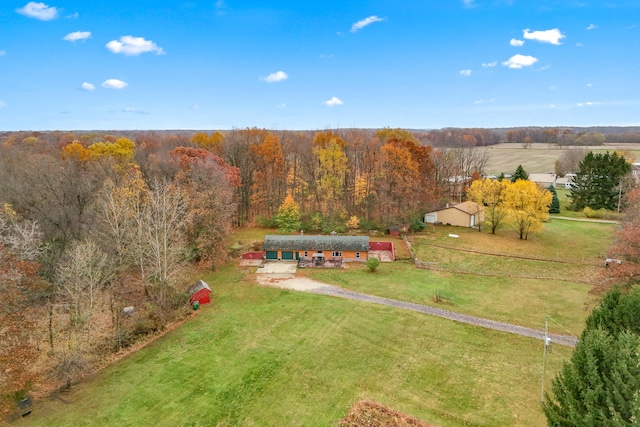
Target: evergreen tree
598, 183
601, 383
520, 173
554, 207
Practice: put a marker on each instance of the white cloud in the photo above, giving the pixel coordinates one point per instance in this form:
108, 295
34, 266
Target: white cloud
133, 46
490, 64
282, 106
468, 3
114, 84
88, 86
465, 73
588, 104
75, 15
78, 35
520, 61
592, 27
134, 110
3, 52
3, 104
333, 102
546, 36
516, 42
589, 85
39, 11
364, 22
278, 76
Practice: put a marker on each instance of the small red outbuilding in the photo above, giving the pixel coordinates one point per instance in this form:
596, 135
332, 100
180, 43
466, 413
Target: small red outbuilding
200, 292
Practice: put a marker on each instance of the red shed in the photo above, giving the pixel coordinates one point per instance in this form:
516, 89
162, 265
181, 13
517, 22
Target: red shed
200, 292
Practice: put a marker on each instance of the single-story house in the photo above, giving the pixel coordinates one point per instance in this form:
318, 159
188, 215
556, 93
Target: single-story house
544, 179
200, 291
465, 214
290, 248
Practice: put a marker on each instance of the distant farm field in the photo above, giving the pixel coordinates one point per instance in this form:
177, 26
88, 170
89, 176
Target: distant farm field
263, 356
540, 158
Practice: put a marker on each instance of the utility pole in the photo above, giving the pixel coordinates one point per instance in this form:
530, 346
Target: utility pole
547, 341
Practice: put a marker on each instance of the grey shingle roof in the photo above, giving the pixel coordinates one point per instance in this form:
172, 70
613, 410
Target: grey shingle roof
316, 243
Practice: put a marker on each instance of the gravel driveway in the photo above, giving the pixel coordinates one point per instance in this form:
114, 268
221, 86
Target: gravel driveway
290, 281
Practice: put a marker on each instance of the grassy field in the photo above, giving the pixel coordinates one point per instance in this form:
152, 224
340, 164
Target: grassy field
262, 357
540, 158
504, 288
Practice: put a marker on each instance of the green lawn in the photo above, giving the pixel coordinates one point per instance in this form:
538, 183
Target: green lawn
499, 291
261, 357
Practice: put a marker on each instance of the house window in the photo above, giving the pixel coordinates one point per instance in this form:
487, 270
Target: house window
357, 254
336, 253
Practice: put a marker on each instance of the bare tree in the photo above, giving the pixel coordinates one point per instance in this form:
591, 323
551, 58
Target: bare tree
85, 269
569, 161
165, 218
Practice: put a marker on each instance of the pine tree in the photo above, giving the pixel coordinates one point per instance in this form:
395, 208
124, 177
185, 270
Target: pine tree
520, 173
598, 183
601, 383
554, 207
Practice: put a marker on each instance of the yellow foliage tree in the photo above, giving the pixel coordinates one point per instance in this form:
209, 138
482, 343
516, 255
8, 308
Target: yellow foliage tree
353, 223
528, 206
211, 142
122, 150
75, 151
490, 194
332, 169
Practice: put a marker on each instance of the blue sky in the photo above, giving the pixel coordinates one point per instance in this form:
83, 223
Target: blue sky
78, 65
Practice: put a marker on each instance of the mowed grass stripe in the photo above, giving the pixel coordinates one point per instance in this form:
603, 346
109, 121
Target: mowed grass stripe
262, 356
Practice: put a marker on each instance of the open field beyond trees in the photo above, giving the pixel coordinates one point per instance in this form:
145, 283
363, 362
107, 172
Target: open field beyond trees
540, 158
263, 356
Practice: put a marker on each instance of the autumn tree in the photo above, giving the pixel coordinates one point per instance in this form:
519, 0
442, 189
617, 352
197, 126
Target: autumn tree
211, 142
398, 180
626, 246
269, 180
490, 194
288, 217
18, 351
208, 185
599, 181
19, 247
528, 206
332, 168
237, 152
406, 171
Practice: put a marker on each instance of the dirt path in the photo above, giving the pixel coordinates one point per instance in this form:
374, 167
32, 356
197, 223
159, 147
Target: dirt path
290, 281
